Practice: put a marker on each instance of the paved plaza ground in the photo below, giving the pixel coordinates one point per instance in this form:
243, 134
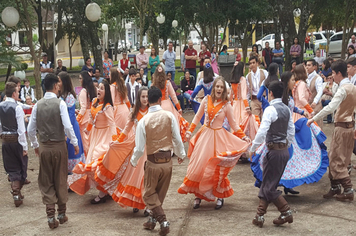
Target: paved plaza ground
313, 215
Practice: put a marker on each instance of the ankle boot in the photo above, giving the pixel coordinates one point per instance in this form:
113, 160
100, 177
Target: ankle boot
286, 213
150, 224
16, 192
162, 220
334, 189
261, 210
50, 210
348, 194
62, 213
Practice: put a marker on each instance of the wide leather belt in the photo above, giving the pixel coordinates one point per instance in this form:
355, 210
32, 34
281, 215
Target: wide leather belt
160, 157
253, 97
347, 125
277, 146
9, 138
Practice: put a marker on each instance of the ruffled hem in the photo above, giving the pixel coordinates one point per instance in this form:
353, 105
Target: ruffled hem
291, 183
128, 196
183, 127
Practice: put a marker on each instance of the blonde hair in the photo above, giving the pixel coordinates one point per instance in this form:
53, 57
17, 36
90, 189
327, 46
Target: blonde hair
224, 96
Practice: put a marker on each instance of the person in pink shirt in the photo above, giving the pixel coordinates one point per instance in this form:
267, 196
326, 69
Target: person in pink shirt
142, 59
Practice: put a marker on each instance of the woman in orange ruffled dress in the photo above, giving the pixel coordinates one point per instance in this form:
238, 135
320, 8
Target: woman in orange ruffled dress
101, 128
119, 97
213, 151
114, 173
161, 82
86, 95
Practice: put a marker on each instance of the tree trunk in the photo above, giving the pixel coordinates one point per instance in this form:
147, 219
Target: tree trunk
70, 54
96, 52
85, 47
8, 72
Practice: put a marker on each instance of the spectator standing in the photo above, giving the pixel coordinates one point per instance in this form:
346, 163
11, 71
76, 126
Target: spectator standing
267, 56
142, 59
238, 55
278, 57
214, 60
306, 42
97, 76
87, 66
191, 57
169, 59
124, 63
182, 58
295, 50
353, 41
153, 61
351, 52
60, 67
204, 53
107, 64
312, 42
224, 51
27, 91
46, 67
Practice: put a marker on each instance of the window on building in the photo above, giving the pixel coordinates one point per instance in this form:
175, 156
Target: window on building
23, 39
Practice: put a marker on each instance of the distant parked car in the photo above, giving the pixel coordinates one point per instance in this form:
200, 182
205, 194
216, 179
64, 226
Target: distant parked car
270, 39
196, 41
336, 42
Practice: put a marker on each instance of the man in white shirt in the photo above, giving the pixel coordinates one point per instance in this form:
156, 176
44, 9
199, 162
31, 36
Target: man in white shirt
351, 69
14, 143
277, 130
54, 126
315, 84
132, 87
168, 59
344, 102
46, 67
158, 133
254, 81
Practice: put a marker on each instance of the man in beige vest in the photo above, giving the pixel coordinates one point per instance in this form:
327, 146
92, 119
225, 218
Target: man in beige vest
254, 81
54, 124
344, 102
315, 84
158, 132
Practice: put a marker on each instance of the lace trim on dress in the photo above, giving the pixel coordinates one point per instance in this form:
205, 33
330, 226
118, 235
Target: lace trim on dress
217, 113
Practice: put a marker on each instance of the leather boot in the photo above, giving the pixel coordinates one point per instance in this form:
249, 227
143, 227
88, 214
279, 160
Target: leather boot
51, 210
261, 210
286, 213
334, 189
348, 194
16, 192
62, 213
151, 223
162, 220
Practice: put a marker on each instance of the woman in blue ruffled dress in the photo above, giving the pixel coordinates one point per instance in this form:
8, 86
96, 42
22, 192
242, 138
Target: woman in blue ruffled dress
308, 156
69, 97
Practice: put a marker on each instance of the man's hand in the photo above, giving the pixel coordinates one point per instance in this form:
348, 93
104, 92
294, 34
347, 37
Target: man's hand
187, 137
24, 153
251, 154
76, 150
248, 110
310, 121
313, 105
247, 139
180, 160
37, 152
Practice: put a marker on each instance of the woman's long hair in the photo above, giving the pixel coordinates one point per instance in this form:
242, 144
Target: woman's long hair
120, 83
237, 72
137, 105
107, 97
255, 45
300, 73
208, 74
224, 48
67, 85
159, 78
285, 78
272, 74
88, 85
224, 93
327, 64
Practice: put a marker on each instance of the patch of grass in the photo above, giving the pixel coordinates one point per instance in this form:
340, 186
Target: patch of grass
31, 78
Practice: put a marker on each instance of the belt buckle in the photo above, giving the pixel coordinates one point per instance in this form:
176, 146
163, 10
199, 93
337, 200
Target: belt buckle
270, 145
160, 160
349, 125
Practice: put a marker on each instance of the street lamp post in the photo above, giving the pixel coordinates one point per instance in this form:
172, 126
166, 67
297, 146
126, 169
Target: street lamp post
160, 19
105, 28
10, 16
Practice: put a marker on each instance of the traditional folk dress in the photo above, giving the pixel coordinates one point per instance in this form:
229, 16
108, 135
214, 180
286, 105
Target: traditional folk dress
114, 173
101, 128
121, 108
308, 158
73, 159
213, 152
167, 105
83, 117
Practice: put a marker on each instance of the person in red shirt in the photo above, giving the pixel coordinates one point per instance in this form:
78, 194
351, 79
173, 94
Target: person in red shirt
306, 42
238, 55
191, 57
204, 53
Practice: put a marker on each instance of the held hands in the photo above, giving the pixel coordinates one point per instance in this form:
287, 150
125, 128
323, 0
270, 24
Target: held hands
248, 110
76, 150
24, 153
180, 111
37, 152
247, 139
180, 160
310, 121
187, 137
86, 131
313, 105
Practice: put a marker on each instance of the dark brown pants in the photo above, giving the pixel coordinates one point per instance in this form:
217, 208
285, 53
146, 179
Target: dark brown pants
273, 167
156, 181
52, 178
15, 163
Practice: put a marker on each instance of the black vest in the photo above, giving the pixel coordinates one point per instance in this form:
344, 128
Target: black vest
8, 117
129, 95
277, 132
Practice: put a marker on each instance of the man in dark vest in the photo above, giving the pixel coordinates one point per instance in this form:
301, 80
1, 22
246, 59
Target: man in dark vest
52, 116
14, 143
158, 132
277, 129
132, 87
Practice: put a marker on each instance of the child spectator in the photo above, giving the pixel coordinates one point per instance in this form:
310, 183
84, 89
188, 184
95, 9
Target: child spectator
27, 91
